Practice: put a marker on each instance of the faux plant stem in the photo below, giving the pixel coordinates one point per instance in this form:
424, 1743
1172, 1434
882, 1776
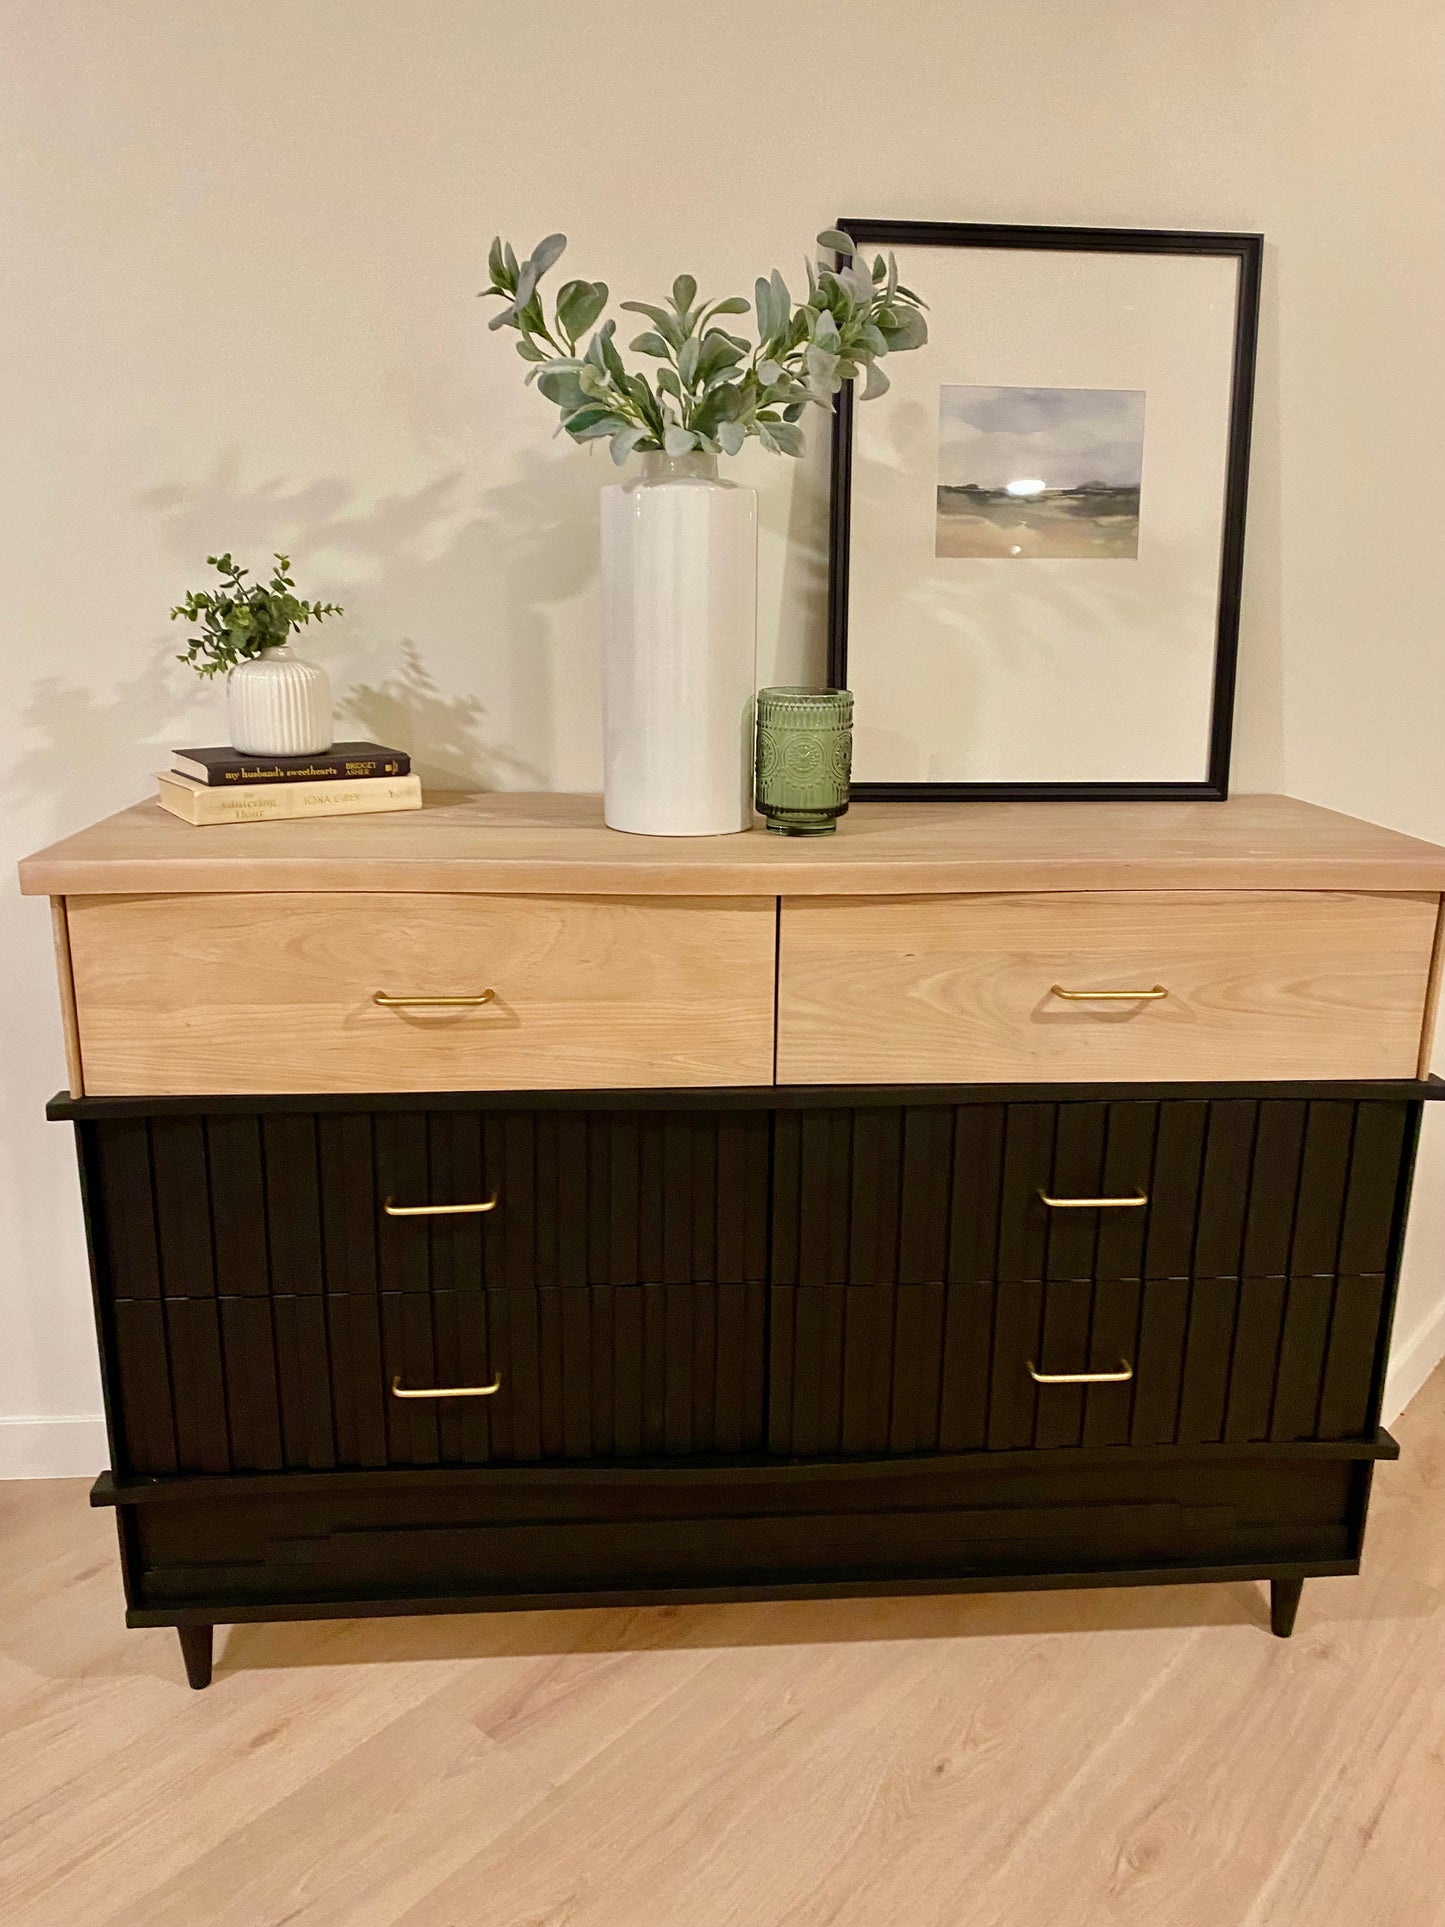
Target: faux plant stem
714, 389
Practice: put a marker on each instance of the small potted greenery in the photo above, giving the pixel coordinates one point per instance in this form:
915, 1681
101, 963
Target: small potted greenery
277, 705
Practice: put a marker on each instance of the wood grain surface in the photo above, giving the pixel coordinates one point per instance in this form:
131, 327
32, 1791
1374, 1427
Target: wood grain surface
1017, 1760
65, 982
257, 994
1261, 984
549, 844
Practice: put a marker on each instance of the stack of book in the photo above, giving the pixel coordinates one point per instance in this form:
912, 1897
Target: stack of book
225, 786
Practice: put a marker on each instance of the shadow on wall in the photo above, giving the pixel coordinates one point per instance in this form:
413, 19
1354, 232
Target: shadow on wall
453, 626
434, 580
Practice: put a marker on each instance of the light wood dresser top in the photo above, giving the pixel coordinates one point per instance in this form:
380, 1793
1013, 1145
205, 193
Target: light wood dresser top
544, 844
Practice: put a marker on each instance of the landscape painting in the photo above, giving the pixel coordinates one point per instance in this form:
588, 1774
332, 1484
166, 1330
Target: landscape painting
1039, 472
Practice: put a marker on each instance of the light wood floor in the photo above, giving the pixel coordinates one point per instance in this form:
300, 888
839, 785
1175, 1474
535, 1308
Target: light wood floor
1046, 1760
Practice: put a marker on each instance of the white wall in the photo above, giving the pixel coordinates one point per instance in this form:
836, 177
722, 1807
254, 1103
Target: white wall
240, 244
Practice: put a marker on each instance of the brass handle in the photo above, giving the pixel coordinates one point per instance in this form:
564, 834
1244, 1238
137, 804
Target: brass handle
469, 1003
447, 1391
1095, 1204
1107, 996
1121, 1377
437, 1210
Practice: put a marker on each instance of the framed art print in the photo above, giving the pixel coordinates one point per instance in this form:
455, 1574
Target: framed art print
1037, 532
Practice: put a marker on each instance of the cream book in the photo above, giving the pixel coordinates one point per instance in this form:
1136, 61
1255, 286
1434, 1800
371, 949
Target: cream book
200, 804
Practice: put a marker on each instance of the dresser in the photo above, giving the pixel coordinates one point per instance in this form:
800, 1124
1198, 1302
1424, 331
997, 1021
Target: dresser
487, 1209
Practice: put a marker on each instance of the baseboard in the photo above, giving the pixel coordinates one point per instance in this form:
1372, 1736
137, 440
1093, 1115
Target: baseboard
69, 1447
1412, 1361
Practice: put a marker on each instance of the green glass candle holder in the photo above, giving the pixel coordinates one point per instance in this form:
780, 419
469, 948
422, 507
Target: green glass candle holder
804, 759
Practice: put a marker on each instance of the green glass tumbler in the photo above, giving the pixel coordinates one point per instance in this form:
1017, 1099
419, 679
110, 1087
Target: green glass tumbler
804, 759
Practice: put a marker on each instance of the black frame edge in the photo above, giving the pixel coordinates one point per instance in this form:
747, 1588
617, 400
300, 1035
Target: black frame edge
1248, 250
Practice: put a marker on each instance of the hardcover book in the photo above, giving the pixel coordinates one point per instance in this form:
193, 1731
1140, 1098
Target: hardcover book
201, 803
353, 762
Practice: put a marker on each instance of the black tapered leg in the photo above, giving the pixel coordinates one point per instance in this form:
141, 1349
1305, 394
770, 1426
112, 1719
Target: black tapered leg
1283, 1605
196, 1652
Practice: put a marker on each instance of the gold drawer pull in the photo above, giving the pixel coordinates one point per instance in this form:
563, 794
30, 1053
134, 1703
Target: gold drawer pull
1095, 1204
1107, 996
1121, 1377
469, 1003
437, 1210
398, 1390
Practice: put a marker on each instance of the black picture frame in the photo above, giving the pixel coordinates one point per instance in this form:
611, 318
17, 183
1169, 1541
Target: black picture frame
1247, 249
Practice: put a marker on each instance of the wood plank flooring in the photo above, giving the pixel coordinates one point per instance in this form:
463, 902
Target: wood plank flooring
1046, 1760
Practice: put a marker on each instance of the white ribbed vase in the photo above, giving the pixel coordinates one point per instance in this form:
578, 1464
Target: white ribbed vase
278, 705
679, 648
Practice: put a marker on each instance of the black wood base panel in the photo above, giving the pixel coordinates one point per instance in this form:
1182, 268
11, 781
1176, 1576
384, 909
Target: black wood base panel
357, 1547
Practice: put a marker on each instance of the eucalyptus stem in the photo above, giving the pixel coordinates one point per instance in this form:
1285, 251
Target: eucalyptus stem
854, 315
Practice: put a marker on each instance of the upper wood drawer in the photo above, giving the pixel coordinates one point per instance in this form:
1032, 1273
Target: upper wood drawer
185, 995
1260, 984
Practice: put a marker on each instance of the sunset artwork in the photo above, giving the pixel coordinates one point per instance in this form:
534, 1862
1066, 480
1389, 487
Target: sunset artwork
1039, 472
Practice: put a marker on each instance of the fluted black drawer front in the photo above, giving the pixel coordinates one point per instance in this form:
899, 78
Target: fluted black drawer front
1198, 1188
296, 1204
236, 1384
868, 1369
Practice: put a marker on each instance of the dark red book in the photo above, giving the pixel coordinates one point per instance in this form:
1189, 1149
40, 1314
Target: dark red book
222, 768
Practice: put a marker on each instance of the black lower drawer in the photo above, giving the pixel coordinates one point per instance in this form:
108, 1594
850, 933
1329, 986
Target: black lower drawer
646, 1532
964, 1367
246, 1384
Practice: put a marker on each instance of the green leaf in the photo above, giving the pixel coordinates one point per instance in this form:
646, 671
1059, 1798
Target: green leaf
731, 436
679, 441
787, 439
769, 372
526, 283
721, 403
667, 380
545, 253
687, 361
876, 384
592, 379
910, 330
735, 304
665, 323
837, 240
624, 441
611, 360
563, 387
494, 261
684, 293
649, 344
782, 302
763, 307
719, 351
594, 424
529, 351
583, 306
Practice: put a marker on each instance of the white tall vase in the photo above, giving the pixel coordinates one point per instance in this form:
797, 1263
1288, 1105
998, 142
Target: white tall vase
278, 705
679, 649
